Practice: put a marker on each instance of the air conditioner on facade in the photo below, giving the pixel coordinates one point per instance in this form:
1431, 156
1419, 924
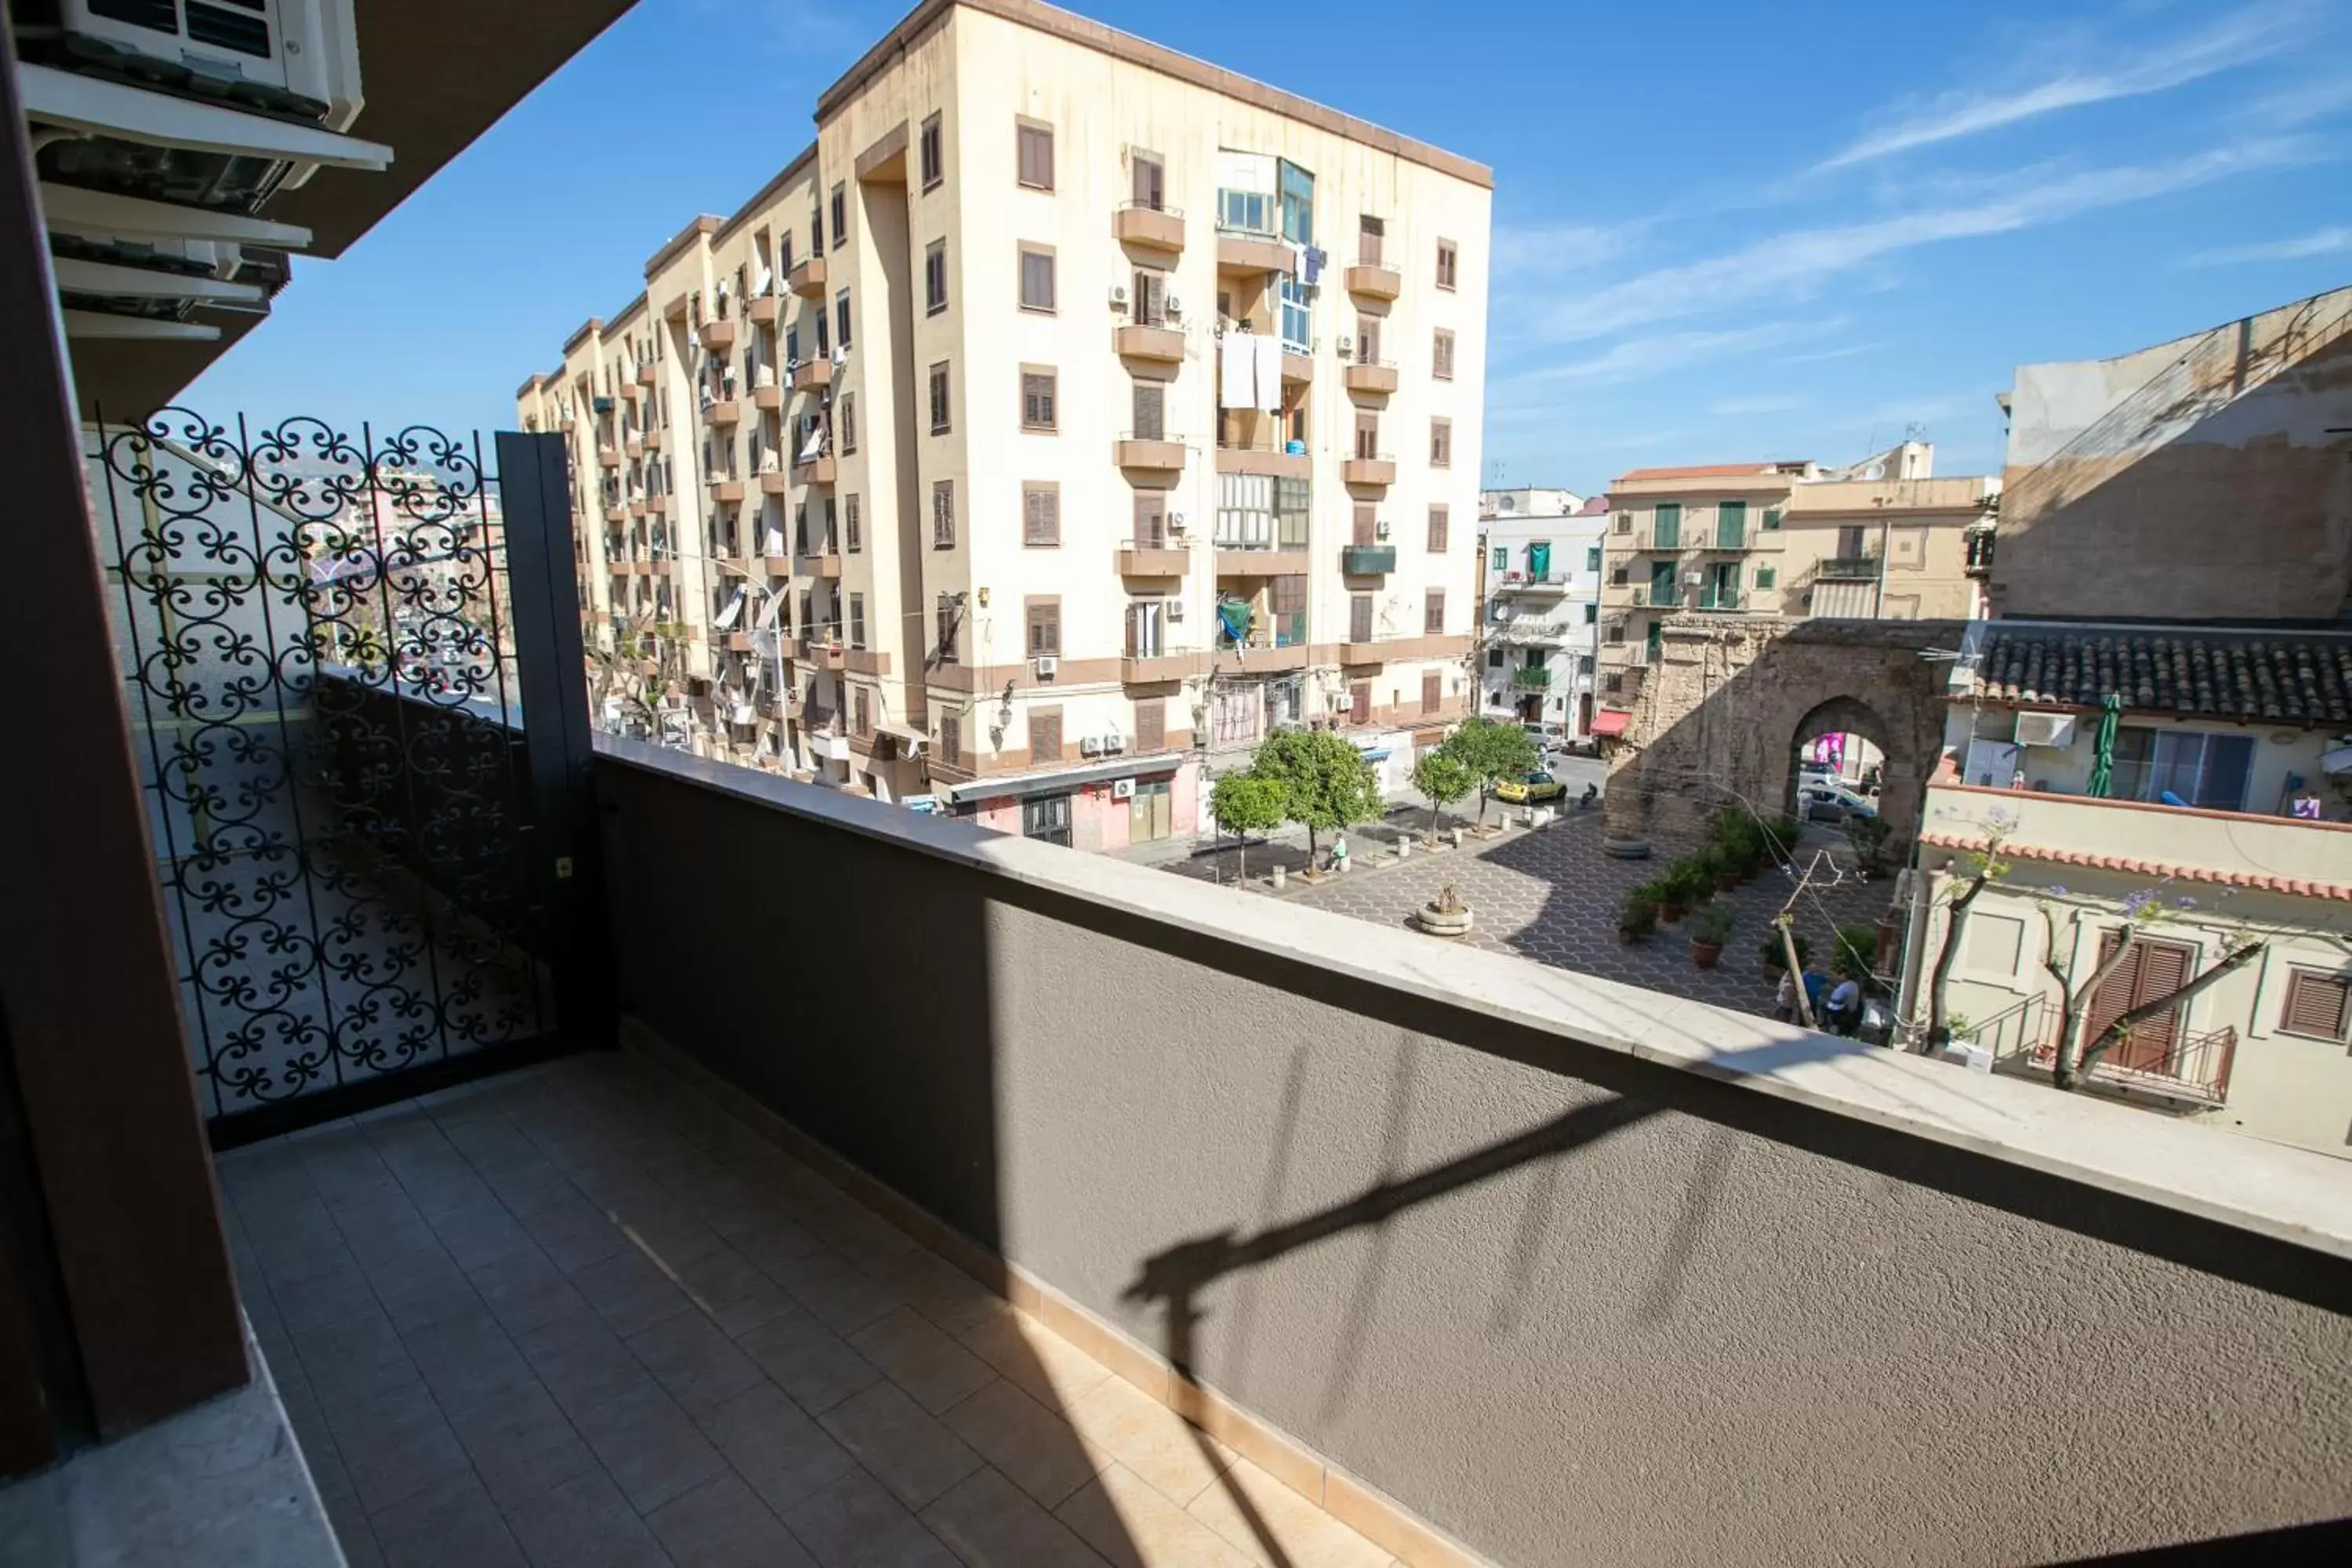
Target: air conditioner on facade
1090, 746
1175, 609
841, 356
1173, 305
286, 56
1175, 523
1113, 743
1118, 296
1343, 702
764, 376
1379, 529
1122, 789
1044, 666
2045, 728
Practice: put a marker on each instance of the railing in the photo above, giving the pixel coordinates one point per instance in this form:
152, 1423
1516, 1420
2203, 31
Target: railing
1713, 600
1848, 569
1526, 679
1981, 549
1531, 583
1165, 541
1366, 559
2194, 1068
1226, 544
1161, 209
1225, 443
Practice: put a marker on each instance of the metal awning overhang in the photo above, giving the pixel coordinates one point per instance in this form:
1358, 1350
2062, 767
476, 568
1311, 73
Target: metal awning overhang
1016, 785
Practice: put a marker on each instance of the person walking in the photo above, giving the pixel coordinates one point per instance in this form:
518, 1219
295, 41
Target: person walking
1846, 1006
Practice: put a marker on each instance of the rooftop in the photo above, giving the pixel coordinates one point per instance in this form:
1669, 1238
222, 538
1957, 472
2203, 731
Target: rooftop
2287, 677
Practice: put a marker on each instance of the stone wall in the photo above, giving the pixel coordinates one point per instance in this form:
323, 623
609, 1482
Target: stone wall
1721, 713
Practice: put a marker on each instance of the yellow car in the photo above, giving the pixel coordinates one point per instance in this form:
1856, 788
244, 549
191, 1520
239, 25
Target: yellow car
1533, 788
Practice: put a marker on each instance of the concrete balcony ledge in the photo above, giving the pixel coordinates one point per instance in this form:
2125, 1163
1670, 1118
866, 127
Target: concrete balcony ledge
720, 335
1164, 344
776, 565
1160, 228
648, 374
773, 482
1369, 471
807, 280
1261, 563
1264, 460
1153, 561
1296, 367
827, 565
1375, 282
763, 311
726, 489
723, 411
1148, 453
1248, 253
768, 399
1169, 664
1376, 380
811, 375
816, 471
608, 456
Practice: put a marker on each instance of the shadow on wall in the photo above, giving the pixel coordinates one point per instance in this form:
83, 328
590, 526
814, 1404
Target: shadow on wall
1723, 711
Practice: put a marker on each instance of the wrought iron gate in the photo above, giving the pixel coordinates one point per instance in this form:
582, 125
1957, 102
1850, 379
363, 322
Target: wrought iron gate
363, 844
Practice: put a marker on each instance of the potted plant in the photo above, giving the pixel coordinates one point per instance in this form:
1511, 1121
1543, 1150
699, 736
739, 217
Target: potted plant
1775, 958
1708, 929
1637, 913
1666, 892
1856, 951
1692, 883
1717, 866
1446, 914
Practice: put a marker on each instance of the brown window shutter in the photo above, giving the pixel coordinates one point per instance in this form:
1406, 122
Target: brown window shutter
1151, 400
1053, 498
1368, 435
862, 715
950, 740
1433, 690
1360, 618
1150, 518
1367, 525
2316, 1005
1151, 726
1045, 737
1360, 703
1438, 530
1432, 615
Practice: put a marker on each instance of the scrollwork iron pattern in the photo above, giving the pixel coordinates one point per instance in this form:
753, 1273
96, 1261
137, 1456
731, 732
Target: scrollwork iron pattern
311, 626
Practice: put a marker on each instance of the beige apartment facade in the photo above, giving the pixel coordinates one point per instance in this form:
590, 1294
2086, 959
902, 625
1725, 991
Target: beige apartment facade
1879, 540
1109, 410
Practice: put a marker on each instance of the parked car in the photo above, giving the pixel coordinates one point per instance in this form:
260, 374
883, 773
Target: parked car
1857, 804
1533, 788
1820, 803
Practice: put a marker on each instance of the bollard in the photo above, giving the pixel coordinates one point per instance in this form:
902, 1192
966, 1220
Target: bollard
1280, 878
1457, 839
1403, 847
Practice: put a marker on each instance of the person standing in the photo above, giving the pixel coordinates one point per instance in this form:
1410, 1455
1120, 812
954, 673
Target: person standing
1845, 1005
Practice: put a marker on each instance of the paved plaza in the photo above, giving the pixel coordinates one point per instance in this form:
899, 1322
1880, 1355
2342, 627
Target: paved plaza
1551, 894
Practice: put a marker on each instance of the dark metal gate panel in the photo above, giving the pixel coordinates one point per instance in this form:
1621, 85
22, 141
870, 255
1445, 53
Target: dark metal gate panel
317, 634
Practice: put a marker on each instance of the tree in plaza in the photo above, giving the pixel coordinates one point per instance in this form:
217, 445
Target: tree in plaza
1492, 753
1443, 778
1247, 803
1325, 780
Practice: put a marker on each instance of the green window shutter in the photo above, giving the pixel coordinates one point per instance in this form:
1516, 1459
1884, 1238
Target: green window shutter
1772, 523
1667, 532
1592, 558
1768, 576
1730, 524
1499, 558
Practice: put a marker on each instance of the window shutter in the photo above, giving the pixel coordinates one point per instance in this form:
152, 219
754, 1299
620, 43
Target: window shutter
1433, 690
1438, 530
1151, 726
1045, 737
1150, 399
1150, 519
1360, 703
2316, 1005
950, 740
1433, 617
864, 720
1360, 618
1367, 525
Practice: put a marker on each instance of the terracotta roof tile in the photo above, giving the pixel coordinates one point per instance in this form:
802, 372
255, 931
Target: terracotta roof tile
1703, 471
2160, 869
2294, 676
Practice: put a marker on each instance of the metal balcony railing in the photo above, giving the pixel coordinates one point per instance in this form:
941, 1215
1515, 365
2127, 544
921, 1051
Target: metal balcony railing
1527, 680
1848, 569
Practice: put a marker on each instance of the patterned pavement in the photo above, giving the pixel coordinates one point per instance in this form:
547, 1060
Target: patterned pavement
1551, 894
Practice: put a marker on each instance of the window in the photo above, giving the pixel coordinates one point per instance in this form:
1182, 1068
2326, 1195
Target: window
1151, 176
1448, 263
941, 414
1592, 558
2316, 1004
1370, 232
1036, 154
1368, 434
849, 519
824, 334
1730, 524
1246, 211
1297, 317
929, 153
841, 318
816, 230
935, 277
1666, 529
2150, 972
1041, 515
1150, 408
1440, 443
1150, 519
1368, 524
1441, 355
1147, 628
2194, 767
1151, 726
1498, 559
1494, 658
1287, 597
1771, 520
1359, 617
861, 720
1368, 338
943, 533
947, 628
857, 615
792, 346
1297, 188
1440, 525
1036, 278
952, 740
846, 422
1768, 576
1433, 690
1291, 497
1044, 618
1037, 399
1151, 296
1432, 614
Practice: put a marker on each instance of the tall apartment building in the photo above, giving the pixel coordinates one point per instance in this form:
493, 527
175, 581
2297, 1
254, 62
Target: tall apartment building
1540, 601
1072, 411
1880, 538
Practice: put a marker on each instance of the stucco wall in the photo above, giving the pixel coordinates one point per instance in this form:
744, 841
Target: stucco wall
1621, 1311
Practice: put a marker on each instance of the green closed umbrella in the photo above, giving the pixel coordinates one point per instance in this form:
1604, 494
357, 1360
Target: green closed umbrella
2103, 753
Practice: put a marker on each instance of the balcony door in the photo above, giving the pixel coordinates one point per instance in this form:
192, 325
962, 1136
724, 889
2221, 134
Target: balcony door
1147, 621
2153, 969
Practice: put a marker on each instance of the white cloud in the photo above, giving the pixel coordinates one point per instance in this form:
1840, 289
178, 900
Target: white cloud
1817, 355
2303, 102
2248, 36
1737, 406
1798, 263
1636, 359
2323, 242
1551, 248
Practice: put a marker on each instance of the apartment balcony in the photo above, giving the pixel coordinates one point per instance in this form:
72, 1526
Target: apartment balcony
1371, 378
1847, 569
1646, 595
1384, 647
631, 391
773, 482
1267, 651
807, 280
1720, 602
817, 470
1160, 228
1375, 471
1265, 455
634, 446
608, 456
657, 506
1150, 454
774, 565
723, 411
1163, 345
1246, 254
762, 310
1153, 558
825, 563
1368, 559
825, 649
768, 399
1525, 678
1165, 662
1250, 561
648, 374
1374, 280
1533, 585
719, 334
727, 491
1981, 545
637, 506
813, 375
615, 511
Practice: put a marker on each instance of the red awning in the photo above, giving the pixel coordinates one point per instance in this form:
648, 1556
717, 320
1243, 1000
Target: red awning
1610, 722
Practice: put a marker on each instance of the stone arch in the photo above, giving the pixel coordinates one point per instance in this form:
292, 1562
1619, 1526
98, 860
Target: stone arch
1834, 716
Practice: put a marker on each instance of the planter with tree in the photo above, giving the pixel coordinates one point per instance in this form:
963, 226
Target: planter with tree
1492, 753
1325, 781
1441, 774
1446, 914
1707, 931
1245, 803
1637, 913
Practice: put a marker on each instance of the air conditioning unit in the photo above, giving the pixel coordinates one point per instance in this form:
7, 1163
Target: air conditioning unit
840, 356
1346, 345
1342, 702
286, 56
1379, 531
764, 376
1044, 666
1175, 609
1175, 523
1640, 596
1118, 296
1173, 305
1122, 789
2045, 728
1113, 744
1090, 746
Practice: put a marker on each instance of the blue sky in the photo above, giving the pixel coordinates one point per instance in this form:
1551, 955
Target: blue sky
1722, 230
